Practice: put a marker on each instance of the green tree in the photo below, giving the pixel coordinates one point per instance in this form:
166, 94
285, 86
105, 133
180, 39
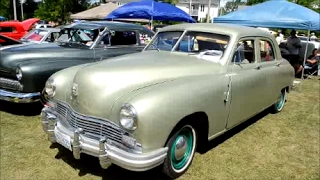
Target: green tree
6, 9
232, 6
54, 10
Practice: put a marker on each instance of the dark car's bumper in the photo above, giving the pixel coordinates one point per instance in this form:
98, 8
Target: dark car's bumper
18, 97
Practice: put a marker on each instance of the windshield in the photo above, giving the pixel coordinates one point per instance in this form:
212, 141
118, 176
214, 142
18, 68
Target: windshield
35, 35
207, 46
78, 37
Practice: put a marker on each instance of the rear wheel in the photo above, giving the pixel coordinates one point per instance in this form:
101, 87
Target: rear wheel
182, 146
278, 106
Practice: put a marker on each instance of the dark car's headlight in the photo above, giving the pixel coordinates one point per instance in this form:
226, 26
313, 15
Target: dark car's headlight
19, 73
50, 87
128, 117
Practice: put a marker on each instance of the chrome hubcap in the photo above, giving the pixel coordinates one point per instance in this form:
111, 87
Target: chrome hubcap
180, 148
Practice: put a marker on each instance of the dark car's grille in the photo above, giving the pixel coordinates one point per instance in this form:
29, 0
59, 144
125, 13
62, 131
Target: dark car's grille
10, 84
92, 127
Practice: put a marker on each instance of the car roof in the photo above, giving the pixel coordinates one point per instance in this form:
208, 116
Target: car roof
91, 25
220, 28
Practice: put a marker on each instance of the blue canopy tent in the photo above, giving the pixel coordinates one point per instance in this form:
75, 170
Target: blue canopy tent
151, 10
2, 18
274, 14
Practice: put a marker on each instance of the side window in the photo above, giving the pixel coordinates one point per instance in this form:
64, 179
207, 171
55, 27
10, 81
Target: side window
266, 51
7, 29
52, 37
144, 38
245, 52
123, 38
55, 35
115, 38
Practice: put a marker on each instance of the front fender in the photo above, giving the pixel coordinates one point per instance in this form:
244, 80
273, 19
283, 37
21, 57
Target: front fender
160, 107
36, 74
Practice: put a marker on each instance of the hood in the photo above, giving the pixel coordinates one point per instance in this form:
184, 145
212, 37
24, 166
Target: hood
24, 54
109, 80
26, 24
34, 47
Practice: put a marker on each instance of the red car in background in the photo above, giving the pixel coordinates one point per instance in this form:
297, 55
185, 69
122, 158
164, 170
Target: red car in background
16, 29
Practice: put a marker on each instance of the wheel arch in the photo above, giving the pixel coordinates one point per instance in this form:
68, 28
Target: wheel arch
198, 120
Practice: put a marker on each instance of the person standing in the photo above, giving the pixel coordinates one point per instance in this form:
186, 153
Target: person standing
293, 46
279, 37
293, 43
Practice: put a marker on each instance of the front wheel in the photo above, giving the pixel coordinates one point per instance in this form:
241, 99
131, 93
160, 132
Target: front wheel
278, 106
182, 146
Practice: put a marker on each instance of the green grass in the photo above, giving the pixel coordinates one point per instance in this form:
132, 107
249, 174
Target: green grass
276, 146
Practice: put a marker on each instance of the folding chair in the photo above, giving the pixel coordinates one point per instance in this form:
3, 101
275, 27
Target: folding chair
312, 70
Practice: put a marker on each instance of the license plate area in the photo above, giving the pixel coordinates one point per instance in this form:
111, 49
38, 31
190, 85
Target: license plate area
62, 139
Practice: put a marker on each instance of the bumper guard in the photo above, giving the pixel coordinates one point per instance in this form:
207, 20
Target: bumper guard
103, 149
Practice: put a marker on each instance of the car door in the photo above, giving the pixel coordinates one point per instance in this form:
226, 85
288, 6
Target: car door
247, 82
271, 66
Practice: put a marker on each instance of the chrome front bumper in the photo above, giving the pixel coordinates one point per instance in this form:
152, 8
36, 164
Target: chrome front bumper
19, 97
103, 149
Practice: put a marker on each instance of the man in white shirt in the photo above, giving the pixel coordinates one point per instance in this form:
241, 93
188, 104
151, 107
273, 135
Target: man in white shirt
279, 37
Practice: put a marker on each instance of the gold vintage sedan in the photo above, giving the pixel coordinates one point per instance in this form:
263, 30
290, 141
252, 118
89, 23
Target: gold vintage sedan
191, 83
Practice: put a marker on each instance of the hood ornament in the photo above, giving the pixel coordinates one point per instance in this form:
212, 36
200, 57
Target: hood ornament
74, 90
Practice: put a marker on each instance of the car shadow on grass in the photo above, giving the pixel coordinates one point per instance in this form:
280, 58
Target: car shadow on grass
30, 109
90, 165
224, 137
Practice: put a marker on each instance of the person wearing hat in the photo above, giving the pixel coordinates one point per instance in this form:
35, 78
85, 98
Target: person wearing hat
313, 37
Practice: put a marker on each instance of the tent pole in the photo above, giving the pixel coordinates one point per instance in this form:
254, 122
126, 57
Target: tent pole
152, 15
304, 60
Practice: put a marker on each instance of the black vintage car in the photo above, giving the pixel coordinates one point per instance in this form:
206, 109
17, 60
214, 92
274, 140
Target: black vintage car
24, 69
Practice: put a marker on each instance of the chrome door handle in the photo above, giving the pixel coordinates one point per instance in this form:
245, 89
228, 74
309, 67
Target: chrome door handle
278, 64
258, 67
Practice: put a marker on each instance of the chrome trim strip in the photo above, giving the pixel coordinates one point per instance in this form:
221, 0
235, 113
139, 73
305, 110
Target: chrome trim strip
19, 97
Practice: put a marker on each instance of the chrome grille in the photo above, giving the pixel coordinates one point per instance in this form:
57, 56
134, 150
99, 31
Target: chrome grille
92, 127
10, 84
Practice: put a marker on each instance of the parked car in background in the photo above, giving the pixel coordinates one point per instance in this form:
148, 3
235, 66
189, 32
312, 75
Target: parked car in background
191, 83
16, 29
305, 39
24, 69
41, 35
38, 26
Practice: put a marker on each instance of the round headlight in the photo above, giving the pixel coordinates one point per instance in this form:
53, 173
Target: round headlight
50, 87
19, 74
128, 117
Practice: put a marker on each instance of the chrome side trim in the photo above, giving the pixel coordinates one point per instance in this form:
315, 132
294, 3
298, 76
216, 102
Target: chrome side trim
19, 97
